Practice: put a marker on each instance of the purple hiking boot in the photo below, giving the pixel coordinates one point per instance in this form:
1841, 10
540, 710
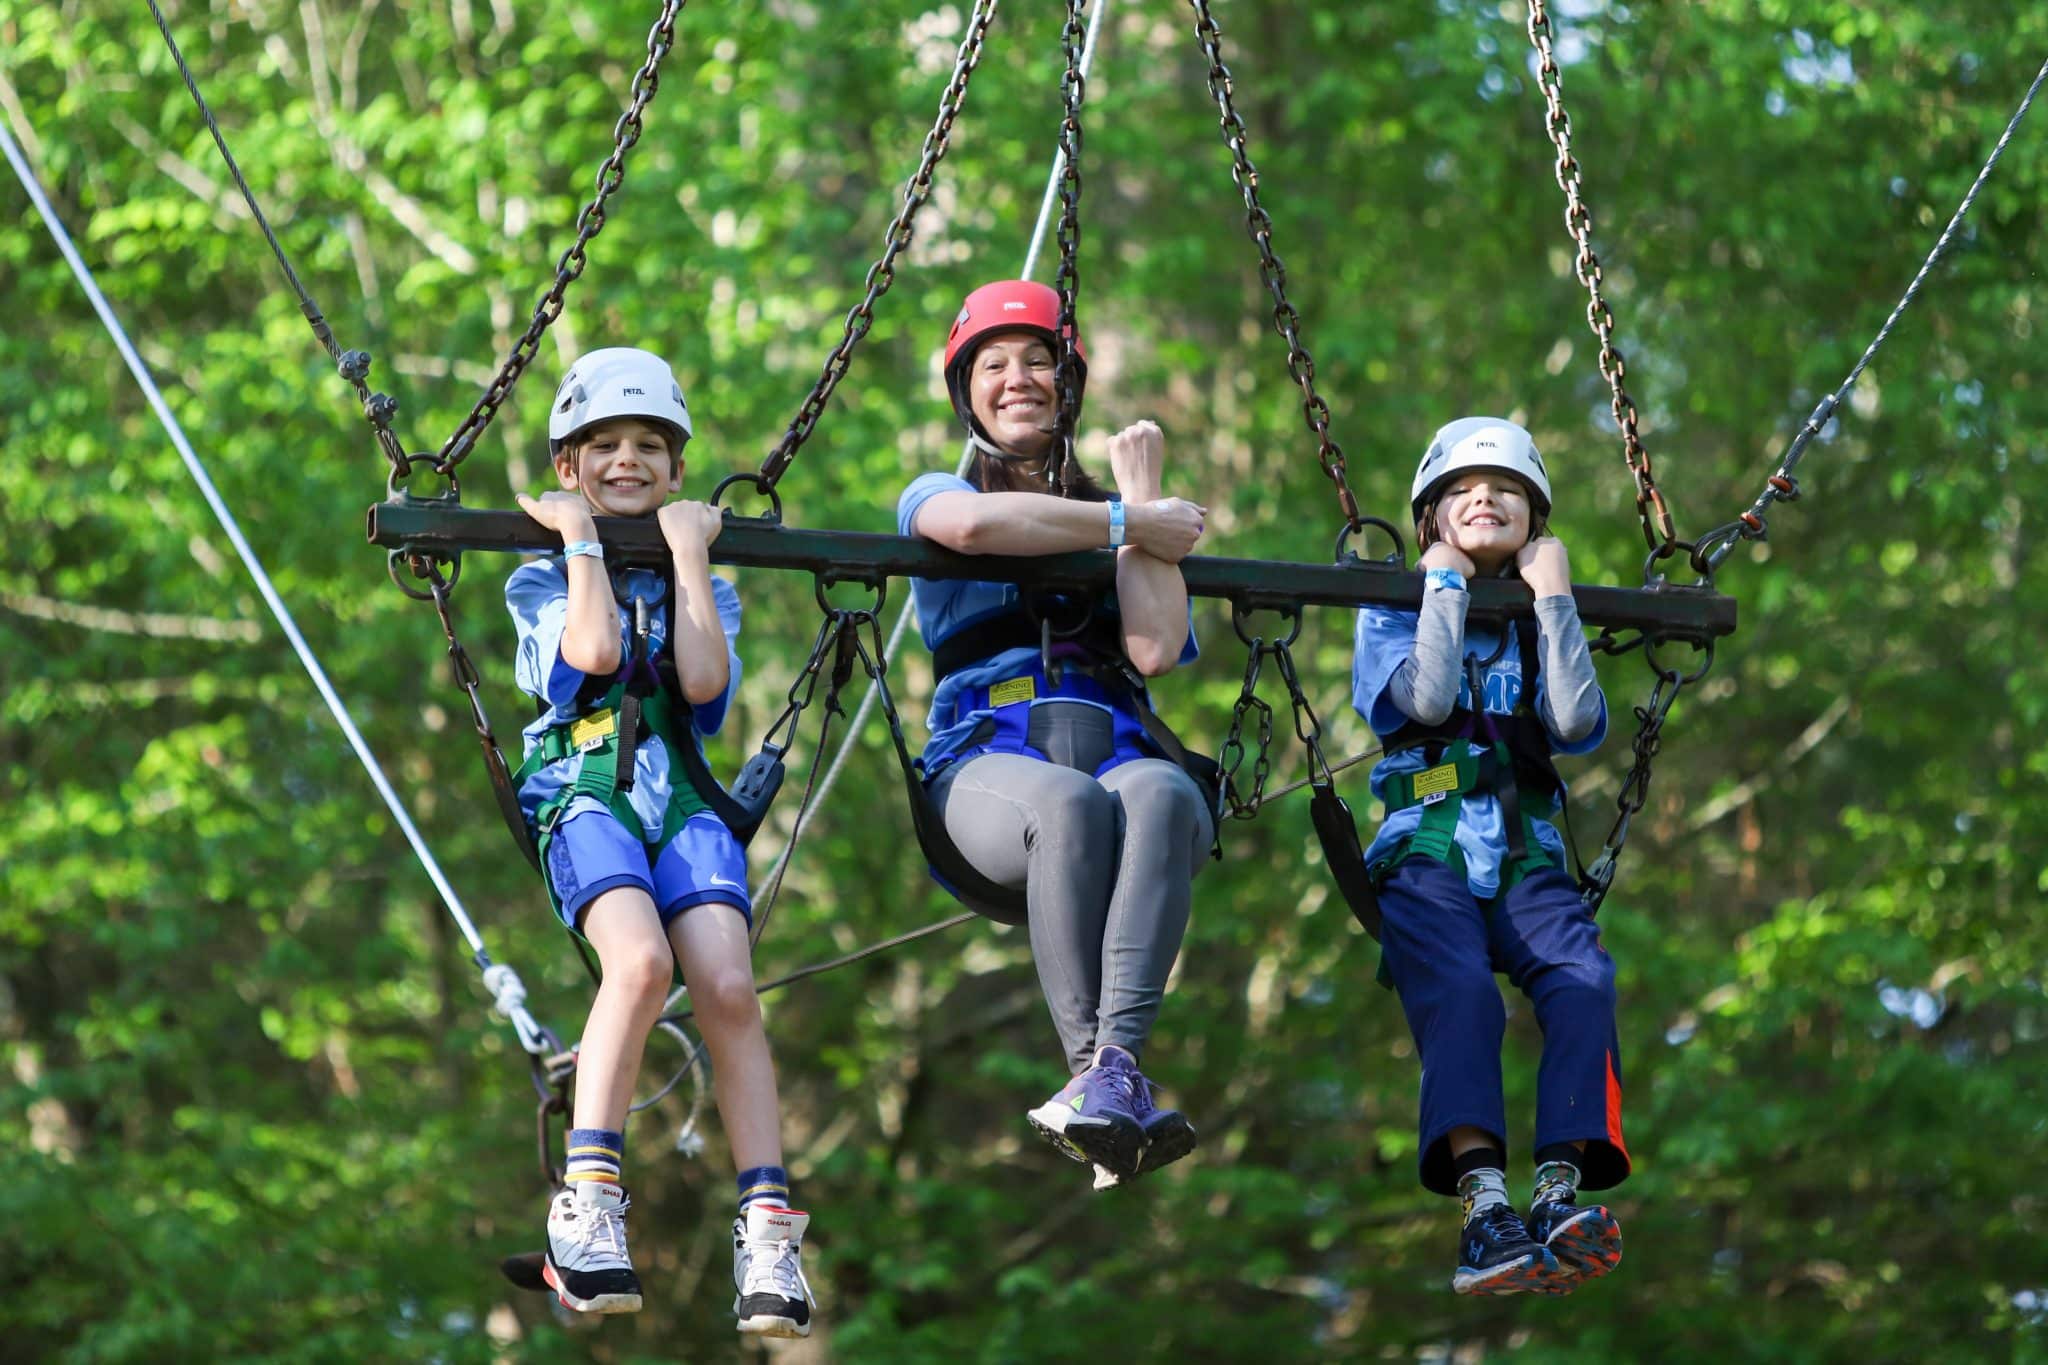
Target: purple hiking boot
1168, 1136
1093, 1118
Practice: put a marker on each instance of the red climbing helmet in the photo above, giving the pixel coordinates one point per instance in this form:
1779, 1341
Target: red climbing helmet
1004, 306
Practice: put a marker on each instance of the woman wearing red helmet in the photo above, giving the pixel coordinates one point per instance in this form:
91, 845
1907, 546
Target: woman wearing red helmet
1046, 764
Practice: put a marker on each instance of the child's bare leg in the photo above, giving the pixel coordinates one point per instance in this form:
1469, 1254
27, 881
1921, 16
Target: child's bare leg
770, 1295
1468, 1138
711, 943
586, 1260
626, 931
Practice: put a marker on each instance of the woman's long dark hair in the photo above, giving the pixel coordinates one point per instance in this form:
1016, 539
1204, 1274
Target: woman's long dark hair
993, 475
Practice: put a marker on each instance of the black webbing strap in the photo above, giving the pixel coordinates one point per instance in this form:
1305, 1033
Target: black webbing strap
629, 704
507, 794
741, 810
1097, 637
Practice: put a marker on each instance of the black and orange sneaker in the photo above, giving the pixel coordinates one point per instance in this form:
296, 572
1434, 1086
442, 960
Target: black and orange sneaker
1585, 1239
1496, 1255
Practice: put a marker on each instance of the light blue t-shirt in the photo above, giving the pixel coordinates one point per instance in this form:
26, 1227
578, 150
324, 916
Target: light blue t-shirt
947, 606
1384, 639
537, 594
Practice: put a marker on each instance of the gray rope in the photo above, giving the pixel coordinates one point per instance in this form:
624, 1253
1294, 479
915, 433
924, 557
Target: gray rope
500, 979
1781, 486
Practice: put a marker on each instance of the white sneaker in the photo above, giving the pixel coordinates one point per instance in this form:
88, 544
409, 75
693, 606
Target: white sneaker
771, 1298
587, 1265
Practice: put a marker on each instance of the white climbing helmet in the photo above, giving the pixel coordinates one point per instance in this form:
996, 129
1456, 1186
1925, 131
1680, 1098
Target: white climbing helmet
618, 381
1479, 443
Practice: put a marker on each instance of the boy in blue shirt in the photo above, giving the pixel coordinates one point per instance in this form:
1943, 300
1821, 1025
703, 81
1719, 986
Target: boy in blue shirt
1470, 870
629, 667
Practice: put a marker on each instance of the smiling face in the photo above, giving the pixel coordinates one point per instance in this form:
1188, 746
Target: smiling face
1010, 389
1486, 514
623, 468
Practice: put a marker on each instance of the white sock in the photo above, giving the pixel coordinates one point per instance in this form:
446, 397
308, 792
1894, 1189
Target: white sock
1481, 1189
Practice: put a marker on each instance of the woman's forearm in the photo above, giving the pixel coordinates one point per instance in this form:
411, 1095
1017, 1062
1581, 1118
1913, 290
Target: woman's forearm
1152, 598
1012, 523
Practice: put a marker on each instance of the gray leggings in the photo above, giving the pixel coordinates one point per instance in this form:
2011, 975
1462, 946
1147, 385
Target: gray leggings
1106, 865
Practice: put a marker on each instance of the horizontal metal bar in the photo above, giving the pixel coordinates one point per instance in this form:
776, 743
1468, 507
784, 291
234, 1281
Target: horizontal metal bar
443, 530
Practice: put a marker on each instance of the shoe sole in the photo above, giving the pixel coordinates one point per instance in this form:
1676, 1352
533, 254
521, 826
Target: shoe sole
1171, 1142
1589, 1245
1166, 1144
1535, 1273
758, 1326
598, 1303
1117, 1146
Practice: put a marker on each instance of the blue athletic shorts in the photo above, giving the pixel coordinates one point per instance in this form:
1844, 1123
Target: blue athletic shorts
592, 853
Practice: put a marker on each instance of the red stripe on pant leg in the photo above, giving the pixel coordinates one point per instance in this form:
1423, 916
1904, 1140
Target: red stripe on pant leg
1614, 1109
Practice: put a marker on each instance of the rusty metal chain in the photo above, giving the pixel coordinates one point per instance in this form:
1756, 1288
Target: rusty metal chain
883, 273
1307, 728
660, 39
1578, 220
1300, 364
1650, 716
1230, 758
1060, 468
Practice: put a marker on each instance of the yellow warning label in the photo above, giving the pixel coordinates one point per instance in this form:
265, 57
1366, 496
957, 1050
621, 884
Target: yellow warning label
1436, 781
593, 729
1016, 689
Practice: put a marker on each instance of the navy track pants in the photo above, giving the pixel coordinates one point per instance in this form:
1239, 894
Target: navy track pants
1442, 948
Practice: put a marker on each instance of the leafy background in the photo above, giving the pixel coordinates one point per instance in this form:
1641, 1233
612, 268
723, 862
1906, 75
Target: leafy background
256, 1106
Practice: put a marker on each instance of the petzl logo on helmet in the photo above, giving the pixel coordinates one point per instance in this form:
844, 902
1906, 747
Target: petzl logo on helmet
1015, 305
639, 392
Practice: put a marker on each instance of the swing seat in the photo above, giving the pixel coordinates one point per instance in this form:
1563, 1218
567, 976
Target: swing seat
1338, 834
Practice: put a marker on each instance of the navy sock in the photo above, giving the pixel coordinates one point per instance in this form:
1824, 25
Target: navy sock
594, 1156
763, 1185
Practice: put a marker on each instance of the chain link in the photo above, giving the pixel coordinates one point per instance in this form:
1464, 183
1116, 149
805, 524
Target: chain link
1300, 364
660, 39
883, 273
1307, 728
1231, 757
1650, 717
1066, 377
1578, 220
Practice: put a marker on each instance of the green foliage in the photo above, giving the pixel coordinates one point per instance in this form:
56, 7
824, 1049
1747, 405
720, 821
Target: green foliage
255, 1107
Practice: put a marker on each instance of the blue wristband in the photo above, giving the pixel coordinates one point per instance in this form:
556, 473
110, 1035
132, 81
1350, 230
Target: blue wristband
1116, 523
573, 548
1445, 578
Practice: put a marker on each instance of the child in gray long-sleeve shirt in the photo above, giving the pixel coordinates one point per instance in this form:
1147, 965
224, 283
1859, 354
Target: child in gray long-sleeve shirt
1470, 871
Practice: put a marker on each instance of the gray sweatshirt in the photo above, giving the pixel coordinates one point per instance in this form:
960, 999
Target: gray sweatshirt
1425, 685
